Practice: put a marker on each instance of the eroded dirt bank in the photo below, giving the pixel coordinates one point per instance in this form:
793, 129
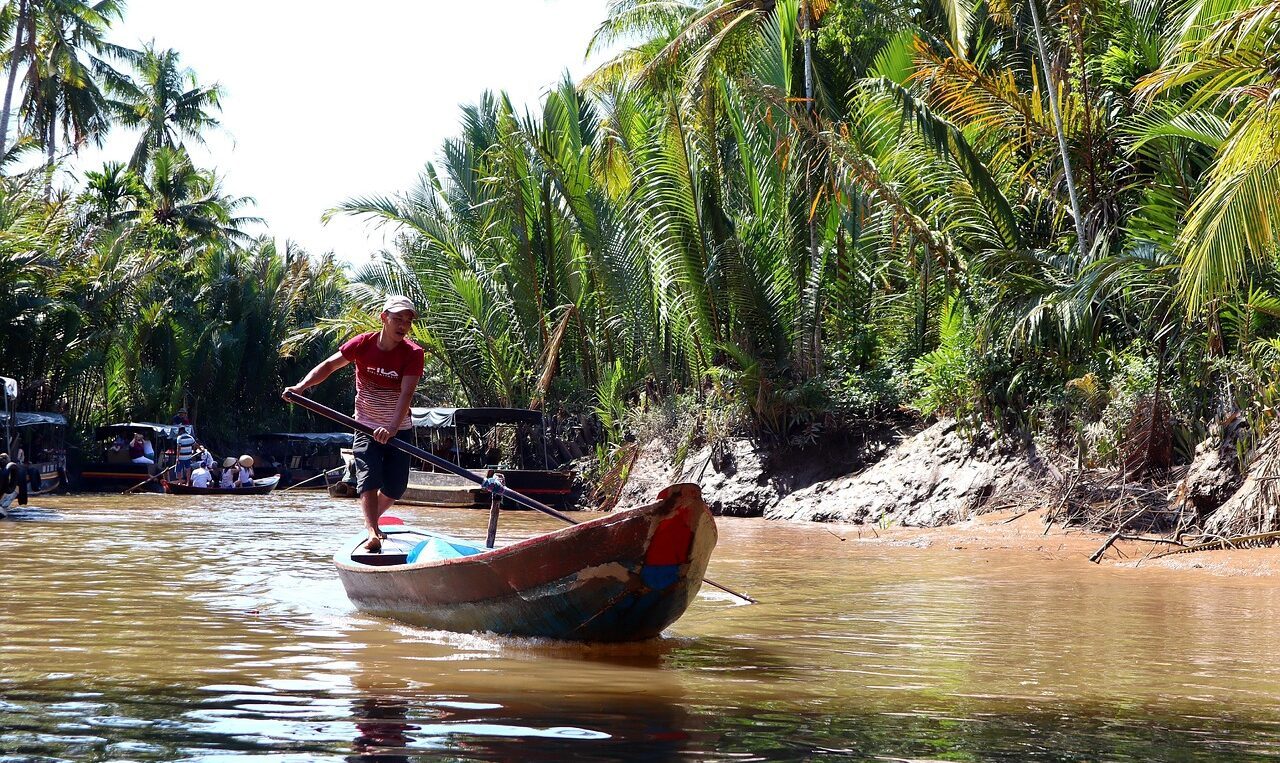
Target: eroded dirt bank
941, 484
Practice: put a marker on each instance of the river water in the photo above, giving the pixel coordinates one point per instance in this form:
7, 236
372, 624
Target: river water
156, 628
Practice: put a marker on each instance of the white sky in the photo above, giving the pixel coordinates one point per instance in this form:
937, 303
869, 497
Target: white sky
324, 101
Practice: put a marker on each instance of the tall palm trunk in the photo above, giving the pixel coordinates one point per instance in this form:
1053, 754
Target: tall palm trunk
50, 143
813, 348
14, 62
1057, 123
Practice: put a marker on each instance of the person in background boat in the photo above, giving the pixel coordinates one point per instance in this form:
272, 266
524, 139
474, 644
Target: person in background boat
180, 419
186, 454
138, 448
203, 457
230, 472
13, 485
200, 476
246, 472
388, 366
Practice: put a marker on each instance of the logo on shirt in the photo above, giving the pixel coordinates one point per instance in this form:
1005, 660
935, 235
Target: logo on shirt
385, 373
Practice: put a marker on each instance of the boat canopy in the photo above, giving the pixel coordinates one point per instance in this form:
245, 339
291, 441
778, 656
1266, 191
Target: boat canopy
341, 439
111, 430
440, 418
32, 419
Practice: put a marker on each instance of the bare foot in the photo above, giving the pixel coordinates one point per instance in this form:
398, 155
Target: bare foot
374, 544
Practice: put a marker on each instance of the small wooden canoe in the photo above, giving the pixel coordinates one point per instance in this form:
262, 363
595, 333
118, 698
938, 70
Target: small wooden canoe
622, 577
260, 487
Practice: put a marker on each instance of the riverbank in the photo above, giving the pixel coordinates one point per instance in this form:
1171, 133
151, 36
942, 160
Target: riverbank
942, 484
1012, 533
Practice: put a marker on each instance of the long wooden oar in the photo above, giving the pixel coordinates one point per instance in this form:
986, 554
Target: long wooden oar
449, 466
313, 478
148, 479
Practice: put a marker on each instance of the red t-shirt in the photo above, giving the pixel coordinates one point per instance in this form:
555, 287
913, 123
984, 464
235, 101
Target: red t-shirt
378, 375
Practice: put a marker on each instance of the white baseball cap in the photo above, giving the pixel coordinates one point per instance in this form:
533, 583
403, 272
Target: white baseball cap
398, 303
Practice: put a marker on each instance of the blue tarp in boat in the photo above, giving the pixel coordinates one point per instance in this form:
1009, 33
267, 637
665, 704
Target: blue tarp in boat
111, 430
440, 418
33, 419
340, 439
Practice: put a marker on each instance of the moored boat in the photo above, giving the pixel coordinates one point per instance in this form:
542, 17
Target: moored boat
113, 469
260, 487
309, 459
622, 577
458, 435
36, 440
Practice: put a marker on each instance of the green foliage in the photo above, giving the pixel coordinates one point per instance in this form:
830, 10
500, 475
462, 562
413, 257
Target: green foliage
724, 212
946, 374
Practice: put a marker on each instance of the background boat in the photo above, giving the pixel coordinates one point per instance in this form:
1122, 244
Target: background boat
299, 457
261, 486
455, 434
34, 439
112, 469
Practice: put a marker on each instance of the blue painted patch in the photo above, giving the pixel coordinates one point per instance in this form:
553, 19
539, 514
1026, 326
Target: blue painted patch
437, 549
660, 576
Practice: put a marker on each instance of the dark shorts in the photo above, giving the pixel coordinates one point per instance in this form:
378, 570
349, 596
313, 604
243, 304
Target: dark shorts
381, 467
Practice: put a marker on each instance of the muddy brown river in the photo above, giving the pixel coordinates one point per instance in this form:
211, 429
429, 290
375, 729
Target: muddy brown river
154, 628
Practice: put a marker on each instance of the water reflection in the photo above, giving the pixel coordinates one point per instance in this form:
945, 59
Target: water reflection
384, 730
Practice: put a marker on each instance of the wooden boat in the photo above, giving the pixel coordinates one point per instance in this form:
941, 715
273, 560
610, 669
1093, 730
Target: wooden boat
447, 429
300, 458
50, 482
442, 489
260, 487
113, 470
41, 437
622, 577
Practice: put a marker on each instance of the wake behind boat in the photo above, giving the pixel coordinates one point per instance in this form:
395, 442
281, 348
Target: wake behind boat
622, 577
260, 487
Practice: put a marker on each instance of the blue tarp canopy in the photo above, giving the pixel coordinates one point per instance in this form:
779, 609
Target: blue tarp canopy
33, 419
440, 418
145, 427
340, 439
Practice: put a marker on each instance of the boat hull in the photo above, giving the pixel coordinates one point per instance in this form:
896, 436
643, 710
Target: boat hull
260, 487
108, 477
554, 488
622, 577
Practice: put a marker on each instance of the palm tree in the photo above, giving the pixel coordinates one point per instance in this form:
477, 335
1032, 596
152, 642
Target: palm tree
1224, 80
69, 71
20, 21
167, 103
185, 207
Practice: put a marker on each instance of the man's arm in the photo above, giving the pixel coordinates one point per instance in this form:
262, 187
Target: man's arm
319, 373
407, 386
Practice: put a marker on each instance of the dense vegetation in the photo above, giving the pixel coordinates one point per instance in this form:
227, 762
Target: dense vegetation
140, 291
1057, 220
1052, 220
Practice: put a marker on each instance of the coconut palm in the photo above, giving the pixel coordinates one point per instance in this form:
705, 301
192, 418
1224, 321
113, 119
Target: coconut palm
15, 19
69, 71
166, 103
1226, 81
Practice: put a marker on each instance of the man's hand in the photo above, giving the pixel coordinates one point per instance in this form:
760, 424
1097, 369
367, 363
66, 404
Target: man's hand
295, 389
382, 435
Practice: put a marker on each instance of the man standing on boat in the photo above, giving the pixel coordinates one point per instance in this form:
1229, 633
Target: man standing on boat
388, 366
186, 453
